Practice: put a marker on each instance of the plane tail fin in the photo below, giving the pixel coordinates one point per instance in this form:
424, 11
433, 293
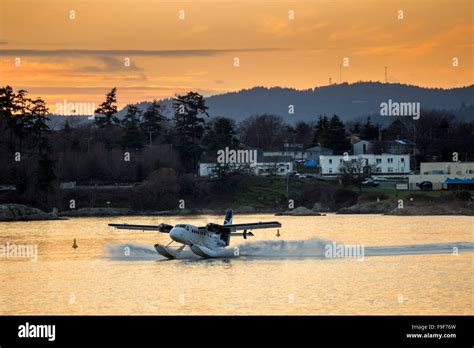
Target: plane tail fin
228, 217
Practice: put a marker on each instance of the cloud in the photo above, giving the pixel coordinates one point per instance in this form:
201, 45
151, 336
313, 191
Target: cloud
283, 27
444, 40
100, 89
150, 53
110, 64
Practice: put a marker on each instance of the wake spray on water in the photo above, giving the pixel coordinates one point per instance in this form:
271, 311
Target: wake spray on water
315, 248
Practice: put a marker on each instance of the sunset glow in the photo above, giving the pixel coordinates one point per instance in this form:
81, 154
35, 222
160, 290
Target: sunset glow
79, 59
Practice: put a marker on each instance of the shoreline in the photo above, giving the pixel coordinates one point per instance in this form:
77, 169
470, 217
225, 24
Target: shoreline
17, 212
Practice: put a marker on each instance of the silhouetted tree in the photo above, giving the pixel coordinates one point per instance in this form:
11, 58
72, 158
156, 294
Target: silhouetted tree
321, 131
107, 110
331, 133
220, 133
337, 140
303, 134
354, 172
189, 127
266, 132
153, 119
9, 123
132, 136
369, 131
38, 125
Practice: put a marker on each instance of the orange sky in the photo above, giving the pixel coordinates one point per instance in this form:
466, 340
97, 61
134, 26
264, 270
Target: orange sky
80, 59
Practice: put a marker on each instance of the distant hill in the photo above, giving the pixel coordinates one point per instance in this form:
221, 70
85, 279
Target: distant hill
349, 101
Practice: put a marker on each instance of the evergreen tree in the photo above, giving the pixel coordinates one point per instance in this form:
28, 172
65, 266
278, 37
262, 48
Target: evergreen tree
331, 133
303, 134
356, 128
107, 110
45, 175
337, 140
220, 133
21, 118
38, 125
369, 131
132, 137
153, 119
189, 127
321, 131
9, 124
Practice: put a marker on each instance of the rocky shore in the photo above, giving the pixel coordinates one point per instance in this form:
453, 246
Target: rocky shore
18, 212
419, 208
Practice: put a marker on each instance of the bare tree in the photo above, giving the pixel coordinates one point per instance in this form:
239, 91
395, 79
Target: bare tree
355, 172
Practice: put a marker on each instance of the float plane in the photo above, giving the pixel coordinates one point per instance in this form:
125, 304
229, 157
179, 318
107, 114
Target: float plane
209, 241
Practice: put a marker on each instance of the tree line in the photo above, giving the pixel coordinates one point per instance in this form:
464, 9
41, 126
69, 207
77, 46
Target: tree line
35, 159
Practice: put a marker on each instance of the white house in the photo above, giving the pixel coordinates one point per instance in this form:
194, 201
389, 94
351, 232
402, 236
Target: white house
438, 172
263, 167
385, 164
394, 147
362, 147
296, 155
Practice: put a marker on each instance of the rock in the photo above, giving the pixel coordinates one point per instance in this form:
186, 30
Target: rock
320, 207
432, 209
19, 212
103, 211
367, 208
300, 211
245, 209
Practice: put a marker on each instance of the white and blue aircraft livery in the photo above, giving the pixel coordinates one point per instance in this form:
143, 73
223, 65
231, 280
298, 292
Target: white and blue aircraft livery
209, 241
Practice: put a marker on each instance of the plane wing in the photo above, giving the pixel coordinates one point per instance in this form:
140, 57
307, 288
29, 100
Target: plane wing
163, 228
242, 227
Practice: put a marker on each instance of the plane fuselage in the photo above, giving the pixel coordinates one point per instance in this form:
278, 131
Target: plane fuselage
189, 235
